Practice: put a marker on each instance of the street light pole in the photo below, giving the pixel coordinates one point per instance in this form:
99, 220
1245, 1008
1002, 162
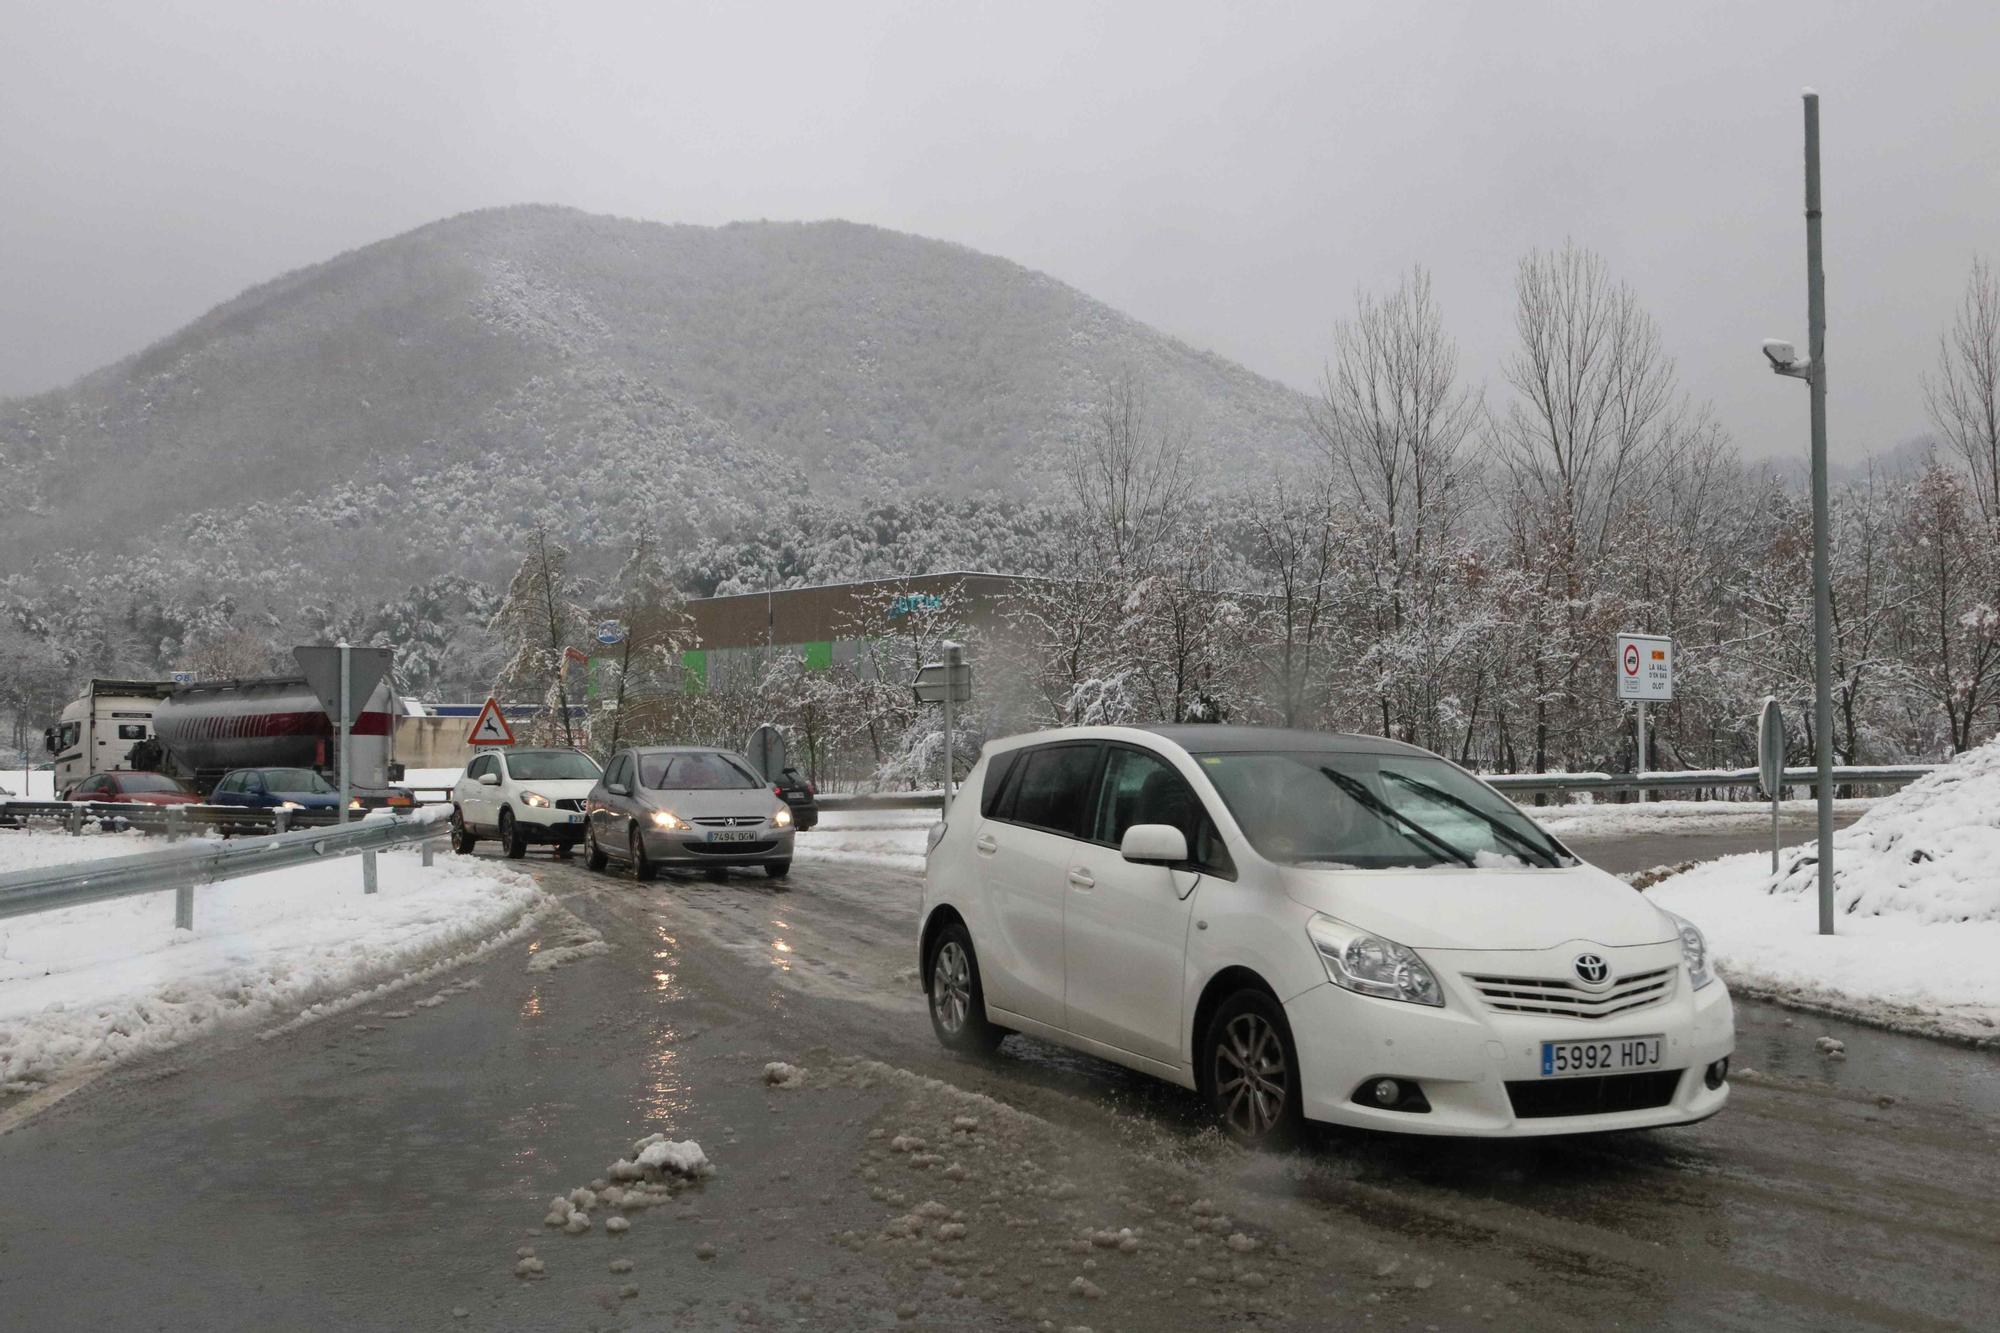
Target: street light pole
1822, 578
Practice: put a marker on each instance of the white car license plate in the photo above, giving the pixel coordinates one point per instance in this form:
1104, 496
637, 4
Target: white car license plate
1619, 1055
574, 819
732, 835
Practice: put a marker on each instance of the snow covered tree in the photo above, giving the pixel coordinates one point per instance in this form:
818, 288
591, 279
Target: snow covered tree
540, 621
644, 679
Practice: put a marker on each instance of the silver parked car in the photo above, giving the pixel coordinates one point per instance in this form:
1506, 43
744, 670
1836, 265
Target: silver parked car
685, 806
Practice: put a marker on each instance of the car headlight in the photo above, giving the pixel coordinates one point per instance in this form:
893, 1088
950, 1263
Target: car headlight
1370, 965
536, 799
782, 816
667, 819
1694, 952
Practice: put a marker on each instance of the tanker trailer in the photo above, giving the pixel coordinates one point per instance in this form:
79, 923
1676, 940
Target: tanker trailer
209, 729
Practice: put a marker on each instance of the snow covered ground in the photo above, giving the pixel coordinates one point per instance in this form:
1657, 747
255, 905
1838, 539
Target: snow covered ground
1607, 818
887, 837
1916, 902
98, 984
29, 784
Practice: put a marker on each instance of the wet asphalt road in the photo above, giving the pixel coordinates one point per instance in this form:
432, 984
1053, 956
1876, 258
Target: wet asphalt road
377, 1171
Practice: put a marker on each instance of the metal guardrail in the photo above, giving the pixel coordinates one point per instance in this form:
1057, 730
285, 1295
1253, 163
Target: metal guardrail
173, 820
183, 869
1670, 780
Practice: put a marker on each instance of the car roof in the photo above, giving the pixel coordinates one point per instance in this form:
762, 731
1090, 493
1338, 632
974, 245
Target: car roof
540, 749
1212, 738
680, 749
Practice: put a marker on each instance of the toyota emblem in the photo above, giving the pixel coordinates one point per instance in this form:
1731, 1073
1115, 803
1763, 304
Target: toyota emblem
1592, 969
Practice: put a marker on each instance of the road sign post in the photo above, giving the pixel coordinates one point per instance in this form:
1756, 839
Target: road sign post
1645, 667
1771, 763
948, 682
344, 679
766, 750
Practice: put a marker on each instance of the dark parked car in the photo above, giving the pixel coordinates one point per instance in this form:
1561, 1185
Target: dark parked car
132, 788
276, 789
798, 793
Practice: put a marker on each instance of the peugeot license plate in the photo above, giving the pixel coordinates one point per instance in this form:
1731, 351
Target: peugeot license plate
732, 835
1619, 1055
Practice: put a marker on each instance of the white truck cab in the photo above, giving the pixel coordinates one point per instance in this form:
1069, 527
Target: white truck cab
98, 731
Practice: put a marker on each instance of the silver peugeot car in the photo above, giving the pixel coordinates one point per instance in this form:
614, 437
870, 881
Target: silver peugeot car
677, 805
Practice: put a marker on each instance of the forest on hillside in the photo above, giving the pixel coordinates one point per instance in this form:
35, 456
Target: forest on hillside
1444, 565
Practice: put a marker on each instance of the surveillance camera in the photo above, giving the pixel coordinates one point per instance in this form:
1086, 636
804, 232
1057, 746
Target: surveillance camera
1781, 353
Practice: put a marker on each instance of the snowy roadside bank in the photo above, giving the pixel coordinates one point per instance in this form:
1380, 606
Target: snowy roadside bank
1916, 911
884, 837
1606, 818
96, 985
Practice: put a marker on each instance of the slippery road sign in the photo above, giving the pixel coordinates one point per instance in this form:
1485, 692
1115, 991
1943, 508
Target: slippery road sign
490, 727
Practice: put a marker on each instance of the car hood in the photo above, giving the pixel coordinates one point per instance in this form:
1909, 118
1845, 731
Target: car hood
1451, 908
560, 790
737, 801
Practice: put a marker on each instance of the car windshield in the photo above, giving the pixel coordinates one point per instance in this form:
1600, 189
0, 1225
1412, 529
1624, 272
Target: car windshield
295, 780
138, 782
701, 770
1374, 812
552, 766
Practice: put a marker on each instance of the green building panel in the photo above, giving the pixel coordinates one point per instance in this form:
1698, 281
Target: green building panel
694, 670
819, 656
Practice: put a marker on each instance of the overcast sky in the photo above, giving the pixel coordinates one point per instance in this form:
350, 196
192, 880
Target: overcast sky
1229, 173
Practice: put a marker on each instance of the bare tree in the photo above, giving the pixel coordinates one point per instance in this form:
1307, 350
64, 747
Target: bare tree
1963, 397
1130, 477
540, 620
1294, 545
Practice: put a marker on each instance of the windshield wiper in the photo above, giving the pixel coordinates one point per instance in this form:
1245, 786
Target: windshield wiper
1375, 805
1540, 855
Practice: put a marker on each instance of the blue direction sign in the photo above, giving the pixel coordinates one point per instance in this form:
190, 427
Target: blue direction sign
610, 632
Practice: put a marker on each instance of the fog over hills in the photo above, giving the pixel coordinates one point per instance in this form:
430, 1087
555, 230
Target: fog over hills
421, 397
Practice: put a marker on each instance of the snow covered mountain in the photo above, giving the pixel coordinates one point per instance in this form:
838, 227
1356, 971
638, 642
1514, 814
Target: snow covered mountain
423, 396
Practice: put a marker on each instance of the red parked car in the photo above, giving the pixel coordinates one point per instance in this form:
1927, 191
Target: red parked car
132, 789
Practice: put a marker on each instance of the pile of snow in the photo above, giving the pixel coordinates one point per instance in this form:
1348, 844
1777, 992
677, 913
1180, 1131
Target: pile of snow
1916, 908
102, 983
882, 837
30, 784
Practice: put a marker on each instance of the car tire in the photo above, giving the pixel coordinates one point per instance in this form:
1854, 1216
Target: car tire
511, 836
956, 1000
593, 855
780, 869
642, 865
1249, 1071
462, 840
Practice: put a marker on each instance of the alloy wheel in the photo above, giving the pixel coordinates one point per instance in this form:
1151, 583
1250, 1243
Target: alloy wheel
1251, 1079
951, 987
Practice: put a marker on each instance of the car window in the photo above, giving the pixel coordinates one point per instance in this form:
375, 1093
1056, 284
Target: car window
1053, 787
551, 766
621, 769
1373, 812
696, 770
482, 765
997, 770
1142, 788
227, 785
153, 782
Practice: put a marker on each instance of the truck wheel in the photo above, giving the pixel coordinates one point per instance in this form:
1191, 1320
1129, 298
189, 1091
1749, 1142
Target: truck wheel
462, 840
511, 836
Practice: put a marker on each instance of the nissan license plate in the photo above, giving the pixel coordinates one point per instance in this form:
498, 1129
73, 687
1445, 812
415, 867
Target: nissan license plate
1619, 1055
732, 835
573, 819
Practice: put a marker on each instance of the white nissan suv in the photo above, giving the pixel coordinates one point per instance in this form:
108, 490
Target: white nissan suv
522, 797
1304, 926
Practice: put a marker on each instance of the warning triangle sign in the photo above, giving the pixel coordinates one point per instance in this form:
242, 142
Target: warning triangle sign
490, 727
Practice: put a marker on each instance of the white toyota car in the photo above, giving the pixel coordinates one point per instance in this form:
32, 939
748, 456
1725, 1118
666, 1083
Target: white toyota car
1312, 927
522, 797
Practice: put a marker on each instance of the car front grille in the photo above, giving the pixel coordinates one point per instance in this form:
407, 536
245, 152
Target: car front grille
728, 848
570, 803
1556, 998
1604, 1094
728, 821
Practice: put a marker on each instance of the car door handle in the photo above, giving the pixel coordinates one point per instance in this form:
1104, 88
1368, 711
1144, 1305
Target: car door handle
985, 845
1082, 878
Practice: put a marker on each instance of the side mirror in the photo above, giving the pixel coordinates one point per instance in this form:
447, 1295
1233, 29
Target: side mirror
1154, 845
489, 779
49, 740
617, 789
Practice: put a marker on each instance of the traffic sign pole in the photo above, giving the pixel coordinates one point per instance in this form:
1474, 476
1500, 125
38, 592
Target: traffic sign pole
1640, 765
345, 706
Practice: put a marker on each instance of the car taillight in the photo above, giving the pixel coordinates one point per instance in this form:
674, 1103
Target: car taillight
778, 791
811, 790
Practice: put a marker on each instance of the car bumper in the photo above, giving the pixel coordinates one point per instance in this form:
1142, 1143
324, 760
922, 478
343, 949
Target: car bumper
691, 848
553, 824
1465, 1055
